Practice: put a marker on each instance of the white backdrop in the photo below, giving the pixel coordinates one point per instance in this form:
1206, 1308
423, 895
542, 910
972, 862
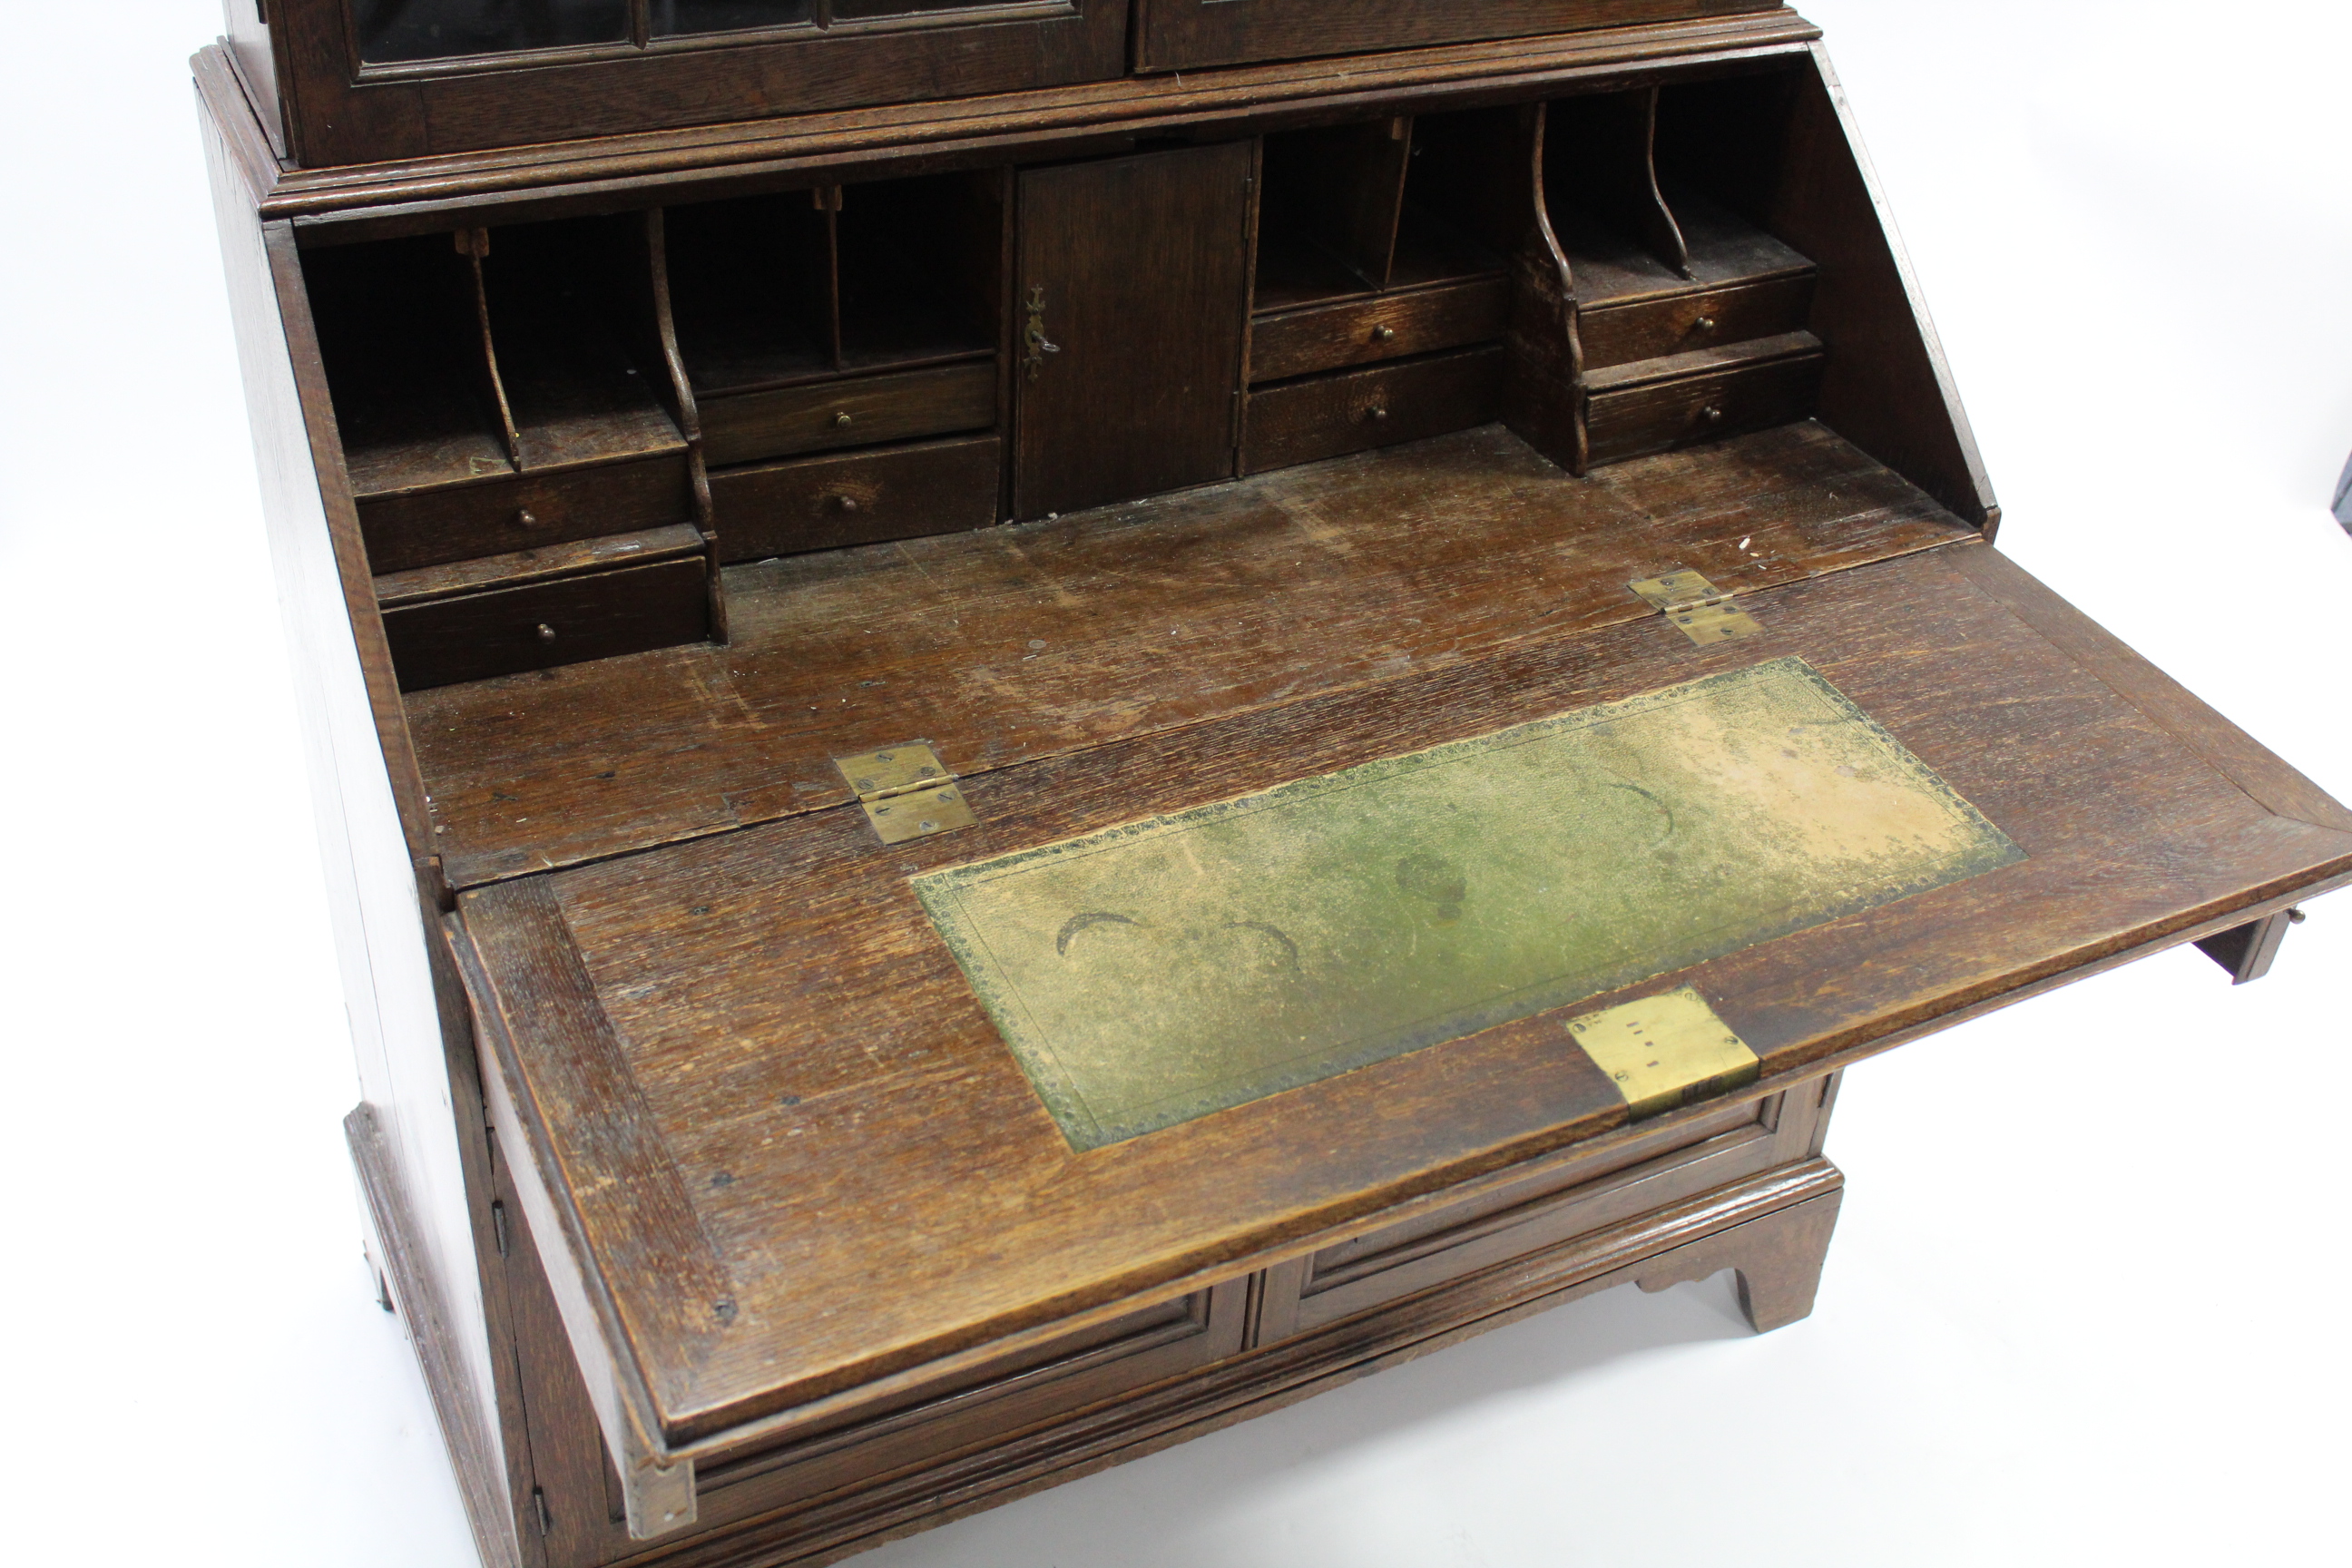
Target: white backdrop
2084, 1297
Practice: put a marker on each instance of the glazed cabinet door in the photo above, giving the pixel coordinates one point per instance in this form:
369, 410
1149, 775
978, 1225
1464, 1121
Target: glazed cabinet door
360, 81
1184, 34
1133, 290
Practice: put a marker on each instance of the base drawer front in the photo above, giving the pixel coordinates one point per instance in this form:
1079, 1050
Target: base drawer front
1663, 415
987, 1404
856, 498
567, 621
1386, 1265
1330, 415
1333, 337
823, 415
1652, 329
521, 512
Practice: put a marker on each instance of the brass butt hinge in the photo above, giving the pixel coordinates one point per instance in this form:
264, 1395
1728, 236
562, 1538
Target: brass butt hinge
1704, 612
906, 791
1666, 1051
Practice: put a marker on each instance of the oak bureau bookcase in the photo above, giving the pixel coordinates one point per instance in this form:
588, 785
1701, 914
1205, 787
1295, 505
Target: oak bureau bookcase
1043, 723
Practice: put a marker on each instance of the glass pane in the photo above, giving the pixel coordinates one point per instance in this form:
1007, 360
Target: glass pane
436, 29
673, 16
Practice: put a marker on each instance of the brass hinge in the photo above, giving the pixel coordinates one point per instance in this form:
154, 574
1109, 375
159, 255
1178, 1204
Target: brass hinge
1666, 1051
906, 791
1704, 612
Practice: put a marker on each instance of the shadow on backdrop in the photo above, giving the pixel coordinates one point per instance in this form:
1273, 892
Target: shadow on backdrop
1193, 1505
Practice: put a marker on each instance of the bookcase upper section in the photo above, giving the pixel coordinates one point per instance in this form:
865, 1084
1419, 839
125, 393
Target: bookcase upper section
343, 83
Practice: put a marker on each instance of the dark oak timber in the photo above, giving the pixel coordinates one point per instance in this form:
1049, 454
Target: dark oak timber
1180, 35
750, 920
1299, 581
1140, 405
1135, 272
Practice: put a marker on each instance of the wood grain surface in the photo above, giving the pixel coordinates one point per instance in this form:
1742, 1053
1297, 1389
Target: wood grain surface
1165, 613
856, 498
1300, 342
1137, 270
1380, 406
591, 616
1184, 34
418, 193
894, 1192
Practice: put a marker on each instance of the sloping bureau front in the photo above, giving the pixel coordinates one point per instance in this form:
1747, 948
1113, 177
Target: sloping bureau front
793, 1163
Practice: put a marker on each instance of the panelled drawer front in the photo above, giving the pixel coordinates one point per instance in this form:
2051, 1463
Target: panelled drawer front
988, 1404
822, 416
1389, 1264
1621, 334
567, 621
1307, 420
856, 498
431, 528
1333, 337
1665, 415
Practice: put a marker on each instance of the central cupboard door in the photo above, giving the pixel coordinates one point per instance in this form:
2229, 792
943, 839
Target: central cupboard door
1132, 295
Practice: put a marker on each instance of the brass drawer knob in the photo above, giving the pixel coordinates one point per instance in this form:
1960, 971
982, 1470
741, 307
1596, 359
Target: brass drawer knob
1704, 325
1711, 415
841, 421
1384, 334
1377, 411
846, 503
526, 518
546, 631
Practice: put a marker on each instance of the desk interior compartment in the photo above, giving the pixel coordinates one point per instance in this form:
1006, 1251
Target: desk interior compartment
404, 339
842, 316
898, 491
540, 622
1382, 243
509, 419
751, 286
1691, 312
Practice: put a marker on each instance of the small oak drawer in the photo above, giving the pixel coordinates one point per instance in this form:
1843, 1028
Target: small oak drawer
567, 621
1332, 337
1525, 1218
987, 1404
1302, 421
1652, 329
1681, 400
856, 498
521, 512
820, 416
